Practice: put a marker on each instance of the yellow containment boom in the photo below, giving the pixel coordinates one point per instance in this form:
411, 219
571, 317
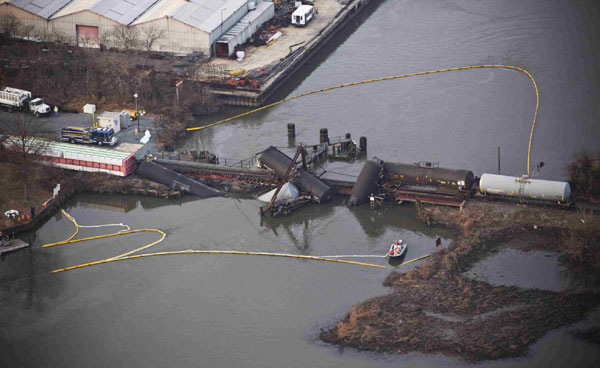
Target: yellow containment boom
130, 254
497, 66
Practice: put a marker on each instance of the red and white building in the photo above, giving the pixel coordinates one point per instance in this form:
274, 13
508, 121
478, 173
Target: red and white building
90, 158
82, 157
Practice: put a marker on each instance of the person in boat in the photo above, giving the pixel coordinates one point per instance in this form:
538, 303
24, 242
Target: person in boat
394, 248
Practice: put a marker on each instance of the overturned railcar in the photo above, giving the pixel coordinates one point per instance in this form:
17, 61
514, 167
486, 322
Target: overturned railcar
279, 162
174, 180
366, 183
427, 174
275, 160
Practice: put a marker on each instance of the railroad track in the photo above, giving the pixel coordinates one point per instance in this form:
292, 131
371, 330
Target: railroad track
256, 177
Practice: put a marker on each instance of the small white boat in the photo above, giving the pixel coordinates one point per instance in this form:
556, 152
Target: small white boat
397, 249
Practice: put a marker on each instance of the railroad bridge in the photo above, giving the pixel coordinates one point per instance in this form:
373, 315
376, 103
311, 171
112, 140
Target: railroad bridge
255, 177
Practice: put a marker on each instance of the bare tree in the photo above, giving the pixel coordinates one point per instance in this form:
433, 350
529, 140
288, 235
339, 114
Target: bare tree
10, 26
88, 42
53, 35
150, 35
126, 38
26, 147
29, 32
104, 40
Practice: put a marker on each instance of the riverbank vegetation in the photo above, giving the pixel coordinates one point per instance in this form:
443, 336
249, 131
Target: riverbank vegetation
43, 179
584, 176
437, 309
580, 247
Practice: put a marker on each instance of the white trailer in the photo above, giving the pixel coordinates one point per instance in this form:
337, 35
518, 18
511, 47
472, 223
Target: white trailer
17, 99
302, 15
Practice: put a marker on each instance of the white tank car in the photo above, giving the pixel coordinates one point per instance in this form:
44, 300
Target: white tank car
525, 188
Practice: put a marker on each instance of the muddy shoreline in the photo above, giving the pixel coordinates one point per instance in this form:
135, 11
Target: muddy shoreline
436, 309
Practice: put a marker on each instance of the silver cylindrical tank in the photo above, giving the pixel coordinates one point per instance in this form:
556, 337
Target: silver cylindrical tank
524, 187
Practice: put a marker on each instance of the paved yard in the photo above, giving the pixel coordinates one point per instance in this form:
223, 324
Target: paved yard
258, 57
51, 127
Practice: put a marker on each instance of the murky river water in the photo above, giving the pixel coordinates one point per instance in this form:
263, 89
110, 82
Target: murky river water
458, 118
228, 310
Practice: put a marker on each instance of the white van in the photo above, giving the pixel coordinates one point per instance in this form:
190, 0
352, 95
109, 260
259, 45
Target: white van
302, 15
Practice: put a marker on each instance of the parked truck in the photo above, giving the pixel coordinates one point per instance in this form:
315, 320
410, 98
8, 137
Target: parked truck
17, 99
99, 136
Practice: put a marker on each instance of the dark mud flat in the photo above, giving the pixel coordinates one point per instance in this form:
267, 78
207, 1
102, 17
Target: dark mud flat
436, 309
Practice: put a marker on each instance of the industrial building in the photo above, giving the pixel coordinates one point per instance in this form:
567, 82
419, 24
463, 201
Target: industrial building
82, 157
177, 26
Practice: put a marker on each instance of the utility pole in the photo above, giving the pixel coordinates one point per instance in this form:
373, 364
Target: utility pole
177, 85
137, 112
498, 160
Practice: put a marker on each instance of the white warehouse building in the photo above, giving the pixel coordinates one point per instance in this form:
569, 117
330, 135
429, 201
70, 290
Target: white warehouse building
184, 26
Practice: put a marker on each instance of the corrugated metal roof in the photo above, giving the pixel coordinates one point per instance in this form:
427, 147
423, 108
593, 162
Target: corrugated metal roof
122, 11
160, 10
201, 14
55, 148
258, 11
246, 21
43, 8
84, 149
206, 14
75, 6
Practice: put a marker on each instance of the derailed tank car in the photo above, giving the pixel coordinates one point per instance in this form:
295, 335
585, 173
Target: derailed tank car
525, 188
427, 174
279, 162
366, 183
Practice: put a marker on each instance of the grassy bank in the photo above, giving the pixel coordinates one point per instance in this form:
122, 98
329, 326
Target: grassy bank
584, 176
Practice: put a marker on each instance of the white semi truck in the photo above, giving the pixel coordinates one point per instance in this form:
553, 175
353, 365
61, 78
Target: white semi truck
17, 99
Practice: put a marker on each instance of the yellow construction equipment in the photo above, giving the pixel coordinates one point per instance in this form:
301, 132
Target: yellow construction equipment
237, 72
